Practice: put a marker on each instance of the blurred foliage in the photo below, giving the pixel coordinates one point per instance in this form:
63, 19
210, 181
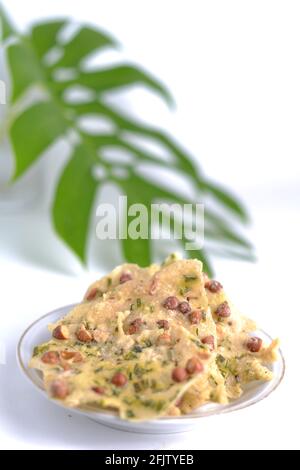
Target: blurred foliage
41, 58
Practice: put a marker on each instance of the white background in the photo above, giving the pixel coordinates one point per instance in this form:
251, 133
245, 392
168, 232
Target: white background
234, 68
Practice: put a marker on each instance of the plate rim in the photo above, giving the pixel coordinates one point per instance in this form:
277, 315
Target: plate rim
182, 419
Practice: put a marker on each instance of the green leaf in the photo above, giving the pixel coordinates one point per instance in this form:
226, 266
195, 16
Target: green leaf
39, 125
226, 252
142, 191
114, 78
150, 191
6, 28
226, 199
139, 249
43, 36
33, 132
217, 227
86, 41
75, 195
24, 69
146, 191
124, 123
112, 140
219, 234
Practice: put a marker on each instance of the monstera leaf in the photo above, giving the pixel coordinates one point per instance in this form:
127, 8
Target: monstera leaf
44, 59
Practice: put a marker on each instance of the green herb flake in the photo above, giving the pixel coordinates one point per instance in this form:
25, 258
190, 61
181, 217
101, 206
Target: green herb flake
88, 325
183, 291
148, 343
220, 358
212, 380
153, 384
170, 354
198, 343
138, 370
130, 356
40, 349
155, 405
190, 277
137, 387
67, 203
160, 405
130, 414
226, 366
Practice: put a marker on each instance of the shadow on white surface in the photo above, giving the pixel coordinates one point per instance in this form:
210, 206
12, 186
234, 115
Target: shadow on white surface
29, 238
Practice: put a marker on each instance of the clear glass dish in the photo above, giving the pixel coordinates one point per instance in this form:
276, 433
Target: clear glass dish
38, 333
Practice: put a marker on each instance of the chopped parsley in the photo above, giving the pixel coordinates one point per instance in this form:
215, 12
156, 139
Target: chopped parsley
198, 343
137, 304
139, 371
190, 277
183, 291
137, 387
130, 414
212, 380
155, 405
220, 358
226, 366
130, 356
40, 349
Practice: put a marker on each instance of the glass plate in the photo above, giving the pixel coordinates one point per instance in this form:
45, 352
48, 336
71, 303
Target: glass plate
38, 333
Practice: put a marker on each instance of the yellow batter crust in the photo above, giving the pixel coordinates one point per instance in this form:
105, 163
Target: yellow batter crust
152, 342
